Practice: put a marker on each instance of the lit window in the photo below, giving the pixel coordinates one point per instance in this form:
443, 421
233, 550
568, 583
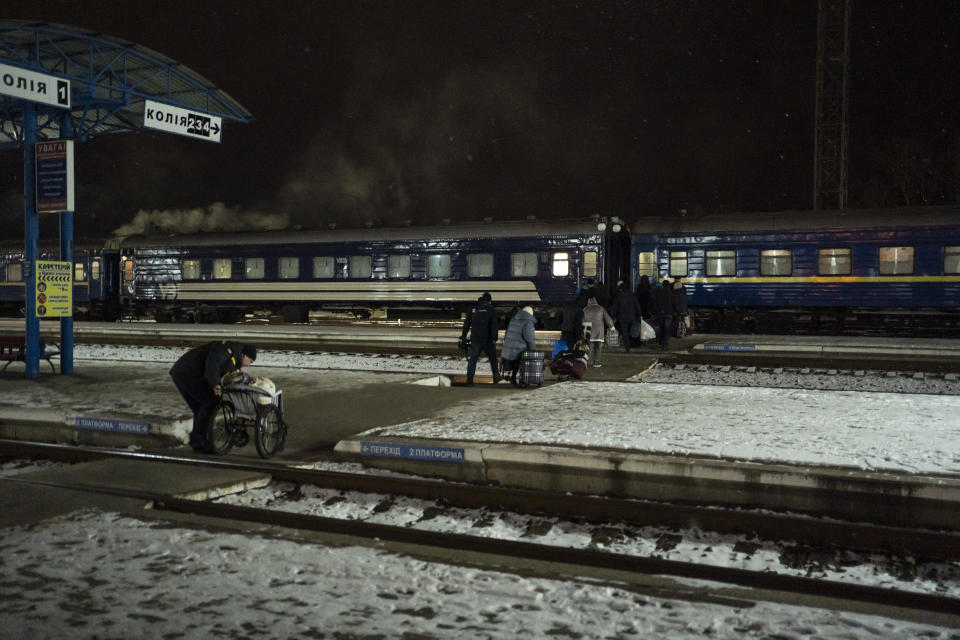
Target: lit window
951, 259
79, 272
222, 269
645, 264
95, 269
896, 261
590, 264
323, 267
191, 269
523, 265
361, 266
480, 265
398, 266
833, 262
678, 263
561, 264
253, 269
128, 270
438, 266
721, 263
776, 262
288, 268
15, 272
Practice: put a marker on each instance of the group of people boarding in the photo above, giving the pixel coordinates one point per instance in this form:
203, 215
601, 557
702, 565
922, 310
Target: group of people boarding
586, 320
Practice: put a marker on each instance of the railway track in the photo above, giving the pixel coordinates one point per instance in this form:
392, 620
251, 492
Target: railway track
541, 558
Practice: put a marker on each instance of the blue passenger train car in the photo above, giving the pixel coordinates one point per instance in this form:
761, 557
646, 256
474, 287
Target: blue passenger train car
223, 275
87, 291
852, 269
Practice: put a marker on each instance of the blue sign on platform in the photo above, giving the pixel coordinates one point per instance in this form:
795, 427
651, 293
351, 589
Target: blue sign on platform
411, 452
729, 347
109, 424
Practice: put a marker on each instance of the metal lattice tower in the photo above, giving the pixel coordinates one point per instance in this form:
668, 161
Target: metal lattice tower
830, 144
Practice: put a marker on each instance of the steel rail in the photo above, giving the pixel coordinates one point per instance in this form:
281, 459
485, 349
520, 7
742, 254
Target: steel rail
527, 551
921, 543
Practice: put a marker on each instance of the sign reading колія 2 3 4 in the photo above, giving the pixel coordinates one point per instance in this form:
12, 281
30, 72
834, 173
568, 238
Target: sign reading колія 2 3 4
194, 124
55, 176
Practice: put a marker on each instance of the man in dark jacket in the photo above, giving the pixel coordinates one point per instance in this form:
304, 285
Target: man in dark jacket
481, 322
571, 328
665, 306
197, 376
626, 311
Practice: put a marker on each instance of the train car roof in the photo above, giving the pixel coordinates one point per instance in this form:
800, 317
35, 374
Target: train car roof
786, 221
504, 229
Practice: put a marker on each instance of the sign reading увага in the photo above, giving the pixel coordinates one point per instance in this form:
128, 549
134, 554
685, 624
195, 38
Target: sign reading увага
411, 452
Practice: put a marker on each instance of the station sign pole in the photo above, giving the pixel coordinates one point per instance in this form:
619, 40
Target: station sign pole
31, 240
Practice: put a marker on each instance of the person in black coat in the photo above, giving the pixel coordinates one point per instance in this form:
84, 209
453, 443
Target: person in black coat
197, 377
645, 296
481, 322
665, 307
571, 328
626, 311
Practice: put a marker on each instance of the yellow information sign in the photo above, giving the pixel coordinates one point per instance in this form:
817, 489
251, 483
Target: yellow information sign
54, 289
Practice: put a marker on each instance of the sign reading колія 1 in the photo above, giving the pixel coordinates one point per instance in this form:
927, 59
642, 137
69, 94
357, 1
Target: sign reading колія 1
54, 289
33, 86
165, 117
55, 176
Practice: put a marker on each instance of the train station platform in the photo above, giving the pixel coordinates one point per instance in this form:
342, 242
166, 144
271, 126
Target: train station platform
855, 455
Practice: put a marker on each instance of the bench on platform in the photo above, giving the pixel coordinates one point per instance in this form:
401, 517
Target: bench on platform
14, 349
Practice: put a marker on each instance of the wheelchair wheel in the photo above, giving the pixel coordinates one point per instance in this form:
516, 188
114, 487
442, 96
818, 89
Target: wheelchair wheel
271, 432
222, 429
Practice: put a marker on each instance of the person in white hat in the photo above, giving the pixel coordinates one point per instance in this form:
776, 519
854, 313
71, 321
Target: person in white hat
520, 337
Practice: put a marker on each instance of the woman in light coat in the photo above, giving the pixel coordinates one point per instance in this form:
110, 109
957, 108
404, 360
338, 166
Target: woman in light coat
520, 337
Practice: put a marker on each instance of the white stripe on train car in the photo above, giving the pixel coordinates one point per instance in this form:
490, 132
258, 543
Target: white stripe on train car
375, 291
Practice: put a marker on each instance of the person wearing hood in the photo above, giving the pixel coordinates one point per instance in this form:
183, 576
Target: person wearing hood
481, 322
197, 377
627, 311
520, 337
571, 327
597, 318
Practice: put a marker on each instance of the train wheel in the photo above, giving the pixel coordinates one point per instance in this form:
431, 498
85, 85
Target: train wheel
222, 430
271, 432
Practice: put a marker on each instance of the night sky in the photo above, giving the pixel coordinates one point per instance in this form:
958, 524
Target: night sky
388, 111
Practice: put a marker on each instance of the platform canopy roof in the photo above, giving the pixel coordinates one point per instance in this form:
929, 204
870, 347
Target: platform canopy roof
110, 80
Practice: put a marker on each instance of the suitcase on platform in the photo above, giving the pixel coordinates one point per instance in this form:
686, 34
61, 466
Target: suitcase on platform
569, 364
531, 369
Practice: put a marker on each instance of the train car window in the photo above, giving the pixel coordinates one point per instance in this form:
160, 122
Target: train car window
646, 266
323, 267
833, 262
523, 265
561, 264
896, 261
776, 262
190, 269
721, 263
128, 270
438, 266
14, 272
480, 265
678, 263
951, 259
398, 266
95, 269
590, 264
288, 268
79, 272
253, 268
361, 266
222, 268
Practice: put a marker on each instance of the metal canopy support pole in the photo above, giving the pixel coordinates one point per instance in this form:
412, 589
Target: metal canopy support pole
66, 255
31, 248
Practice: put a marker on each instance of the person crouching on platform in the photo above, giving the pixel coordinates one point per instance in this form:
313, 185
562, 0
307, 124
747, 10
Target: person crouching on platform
197, 377
481, 322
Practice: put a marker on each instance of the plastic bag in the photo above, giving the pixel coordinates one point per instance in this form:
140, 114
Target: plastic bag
558, 346
646, 331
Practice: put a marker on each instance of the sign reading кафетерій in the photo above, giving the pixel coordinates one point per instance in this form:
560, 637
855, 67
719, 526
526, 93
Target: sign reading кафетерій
54, 290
